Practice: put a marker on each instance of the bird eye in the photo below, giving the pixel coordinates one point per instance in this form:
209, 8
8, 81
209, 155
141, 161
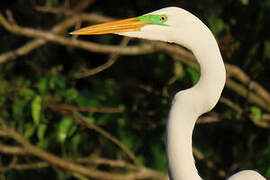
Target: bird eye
163, 18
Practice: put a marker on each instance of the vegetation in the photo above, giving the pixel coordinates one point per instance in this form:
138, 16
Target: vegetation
96, 107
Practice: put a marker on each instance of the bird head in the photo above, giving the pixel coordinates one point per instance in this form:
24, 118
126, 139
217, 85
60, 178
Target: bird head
157, 25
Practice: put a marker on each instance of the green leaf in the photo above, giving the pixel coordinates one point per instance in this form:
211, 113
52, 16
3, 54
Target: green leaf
2, 100
122, 107
71, 94
75, 141
105, 118
159, 157
253, 51
121, 122
57, 82
18, 109
268, 172
90, 119
84, 100
127, 140
36, 109
51, 3
43, 144
194, 73
41, 131
217, 25
256, 113
245, 2
27, 92
42, 85
178, 70
64, 128
29, 130
141, 159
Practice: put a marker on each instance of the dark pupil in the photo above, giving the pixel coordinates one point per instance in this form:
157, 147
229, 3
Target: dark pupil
163, 18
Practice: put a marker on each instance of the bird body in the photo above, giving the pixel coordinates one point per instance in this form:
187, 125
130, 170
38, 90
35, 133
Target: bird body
247, 175
177, 25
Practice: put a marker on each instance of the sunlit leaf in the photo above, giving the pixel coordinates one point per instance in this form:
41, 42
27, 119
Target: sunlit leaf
41, 131
256, 113
64, 128
36, 106
178, 70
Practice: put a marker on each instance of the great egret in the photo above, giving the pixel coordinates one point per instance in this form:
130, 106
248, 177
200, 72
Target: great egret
177, 25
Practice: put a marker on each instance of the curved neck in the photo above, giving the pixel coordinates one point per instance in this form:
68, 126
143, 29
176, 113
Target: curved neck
189, 104
179, 144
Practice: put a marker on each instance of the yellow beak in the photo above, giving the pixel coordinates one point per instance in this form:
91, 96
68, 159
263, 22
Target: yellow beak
126, 25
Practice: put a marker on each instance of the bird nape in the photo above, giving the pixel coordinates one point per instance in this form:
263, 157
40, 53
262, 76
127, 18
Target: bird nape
177, 25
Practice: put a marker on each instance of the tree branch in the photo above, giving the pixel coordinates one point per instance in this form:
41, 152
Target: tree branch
242, 91
83, 121
112, 59
28, 148
176, 52
66, 107
92, 47
12, 150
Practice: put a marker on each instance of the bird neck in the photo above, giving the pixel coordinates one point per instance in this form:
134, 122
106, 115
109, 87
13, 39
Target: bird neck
179, 143
189, 104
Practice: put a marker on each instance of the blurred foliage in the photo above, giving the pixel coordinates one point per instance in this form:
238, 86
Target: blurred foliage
31, 83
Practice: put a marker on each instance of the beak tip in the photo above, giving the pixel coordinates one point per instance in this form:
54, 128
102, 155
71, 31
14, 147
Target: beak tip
72, 33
